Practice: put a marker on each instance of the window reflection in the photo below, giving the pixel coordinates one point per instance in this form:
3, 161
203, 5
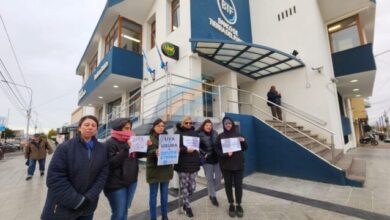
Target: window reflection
345, 34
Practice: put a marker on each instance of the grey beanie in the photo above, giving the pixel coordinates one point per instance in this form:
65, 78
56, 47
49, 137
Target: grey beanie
119, 123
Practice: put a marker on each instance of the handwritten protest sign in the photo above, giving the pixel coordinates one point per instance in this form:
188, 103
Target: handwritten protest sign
169, 149
230, 145
193, 142
139, 144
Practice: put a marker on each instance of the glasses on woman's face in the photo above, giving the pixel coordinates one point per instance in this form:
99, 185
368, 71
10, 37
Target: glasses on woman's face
188, 123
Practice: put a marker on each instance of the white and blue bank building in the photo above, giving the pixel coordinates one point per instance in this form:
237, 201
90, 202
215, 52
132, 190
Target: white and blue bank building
221, 58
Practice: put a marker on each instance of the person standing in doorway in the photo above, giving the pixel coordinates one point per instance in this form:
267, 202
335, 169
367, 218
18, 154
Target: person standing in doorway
188, 165
123, 169
208, 142
76, 176
232, 166
274, 97
157, 176
35, 151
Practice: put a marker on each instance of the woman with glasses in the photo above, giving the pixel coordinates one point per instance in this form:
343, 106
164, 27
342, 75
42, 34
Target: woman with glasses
188, 165
208, 142
232, 166
157, 176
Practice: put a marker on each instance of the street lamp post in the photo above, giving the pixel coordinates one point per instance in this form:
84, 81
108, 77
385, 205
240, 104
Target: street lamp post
29, 106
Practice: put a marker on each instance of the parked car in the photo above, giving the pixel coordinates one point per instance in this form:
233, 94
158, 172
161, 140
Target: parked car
10, 147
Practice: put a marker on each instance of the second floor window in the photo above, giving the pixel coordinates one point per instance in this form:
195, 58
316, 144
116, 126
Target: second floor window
125, 34
175, 14
112, 37
345, 34
92, 64
153, 34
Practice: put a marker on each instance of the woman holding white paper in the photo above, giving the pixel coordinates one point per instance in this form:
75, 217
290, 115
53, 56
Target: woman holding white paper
232, 164
208, 141
189, 164
123, 169
157, 176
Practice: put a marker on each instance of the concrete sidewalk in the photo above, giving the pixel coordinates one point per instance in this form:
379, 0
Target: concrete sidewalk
265, 196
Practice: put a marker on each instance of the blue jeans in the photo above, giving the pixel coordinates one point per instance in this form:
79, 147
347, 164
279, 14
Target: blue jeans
32, 164
88, 217
120, 201
153, 190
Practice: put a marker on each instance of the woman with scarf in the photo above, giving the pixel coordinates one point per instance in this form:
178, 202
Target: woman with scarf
188, 165
123, 169
157, 176
208, 141
232, 166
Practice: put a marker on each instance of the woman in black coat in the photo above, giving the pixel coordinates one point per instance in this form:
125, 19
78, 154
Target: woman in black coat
232, 166
208, 142
188, 165
123, 169
77, 175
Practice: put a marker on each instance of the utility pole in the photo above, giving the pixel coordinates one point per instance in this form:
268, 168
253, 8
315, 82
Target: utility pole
29, 106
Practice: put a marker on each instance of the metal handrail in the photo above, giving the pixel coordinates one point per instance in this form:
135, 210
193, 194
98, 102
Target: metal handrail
332, 134
305, 114
283, 108
286, 124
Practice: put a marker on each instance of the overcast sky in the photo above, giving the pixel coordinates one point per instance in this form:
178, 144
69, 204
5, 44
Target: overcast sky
50, 37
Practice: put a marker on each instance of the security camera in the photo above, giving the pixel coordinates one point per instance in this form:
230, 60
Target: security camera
318, 69
334, 80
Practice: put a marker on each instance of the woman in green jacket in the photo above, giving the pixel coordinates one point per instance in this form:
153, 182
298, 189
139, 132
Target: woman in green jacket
157, 175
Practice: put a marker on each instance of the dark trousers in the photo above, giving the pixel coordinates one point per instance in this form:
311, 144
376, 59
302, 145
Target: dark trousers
276, 112
32, 164
236, 177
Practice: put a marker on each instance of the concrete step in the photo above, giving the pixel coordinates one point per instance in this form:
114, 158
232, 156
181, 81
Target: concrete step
318, 149
344, 162
327, 155
290, 131
357, 170
307, 143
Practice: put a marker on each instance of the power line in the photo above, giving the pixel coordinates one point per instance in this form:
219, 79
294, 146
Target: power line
12, 81
13, 50
381, 53
12, 91
11, 100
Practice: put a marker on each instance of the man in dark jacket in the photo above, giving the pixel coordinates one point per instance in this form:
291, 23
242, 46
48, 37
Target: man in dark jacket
274, 97
188, 165
232, 166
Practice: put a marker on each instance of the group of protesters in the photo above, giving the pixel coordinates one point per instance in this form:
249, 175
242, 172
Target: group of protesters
82, 167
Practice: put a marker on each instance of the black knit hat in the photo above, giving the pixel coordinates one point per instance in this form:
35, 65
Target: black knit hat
119, 123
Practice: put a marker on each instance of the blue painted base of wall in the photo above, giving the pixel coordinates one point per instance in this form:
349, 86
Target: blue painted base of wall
271, 152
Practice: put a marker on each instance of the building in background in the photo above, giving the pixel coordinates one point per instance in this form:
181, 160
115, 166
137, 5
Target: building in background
209, 58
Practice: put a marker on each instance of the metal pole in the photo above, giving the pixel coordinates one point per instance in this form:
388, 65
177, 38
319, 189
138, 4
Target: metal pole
29, 106
332, 148
220, 101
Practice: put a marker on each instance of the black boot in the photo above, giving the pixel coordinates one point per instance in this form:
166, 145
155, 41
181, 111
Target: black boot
232, 211
239, 211
214, 201
189, 213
